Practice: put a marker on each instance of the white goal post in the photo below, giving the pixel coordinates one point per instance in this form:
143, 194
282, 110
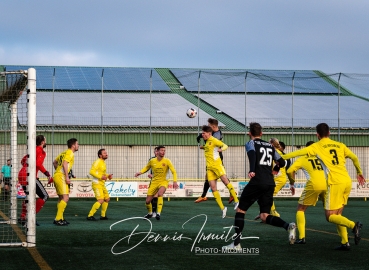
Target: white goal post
12, 85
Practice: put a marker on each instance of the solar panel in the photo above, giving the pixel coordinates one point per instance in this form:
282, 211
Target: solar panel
90, 78
276, 110
119, 109
257, 81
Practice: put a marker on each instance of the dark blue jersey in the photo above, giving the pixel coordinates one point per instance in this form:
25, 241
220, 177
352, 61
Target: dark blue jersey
261, 155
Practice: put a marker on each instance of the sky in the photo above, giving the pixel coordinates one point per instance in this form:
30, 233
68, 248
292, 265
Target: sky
331, 36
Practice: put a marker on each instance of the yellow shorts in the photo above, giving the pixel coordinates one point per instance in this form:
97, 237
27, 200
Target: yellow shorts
278, 186
215, 172
309, 197
61, 186
101, 193
154, 186
337, 195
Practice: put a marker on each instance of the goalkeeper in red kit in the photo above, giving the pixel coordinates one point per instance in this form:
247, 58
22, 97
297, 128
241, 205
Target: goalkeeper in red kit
22, 177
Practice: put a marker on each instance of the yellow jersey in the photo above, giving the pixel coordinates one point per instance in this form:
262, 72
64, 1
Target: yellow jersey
211, 151
160, 169
313, 170
333, 155
67, 156
281, 177
98, 170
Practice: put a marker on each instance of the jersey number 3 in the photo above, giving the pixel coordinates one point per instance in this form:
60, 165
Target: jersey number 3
334, 153
266, 158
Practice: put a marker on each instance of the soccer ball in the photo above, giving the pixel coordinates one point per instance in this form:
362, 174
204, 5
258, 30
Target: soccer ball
191, 113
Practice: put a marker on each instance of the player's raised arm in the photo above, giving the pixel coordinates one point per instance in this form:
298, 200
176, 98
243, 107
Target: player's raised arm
349, 154
144, 169
297, 153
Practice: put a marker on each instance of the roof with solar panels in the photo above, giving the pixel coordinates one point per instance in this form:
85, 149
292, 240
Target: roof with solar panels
121, 98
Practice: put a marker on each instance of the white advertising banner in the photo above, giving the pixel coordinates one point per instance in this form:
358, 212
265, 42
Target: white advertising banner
170, 192
83, 189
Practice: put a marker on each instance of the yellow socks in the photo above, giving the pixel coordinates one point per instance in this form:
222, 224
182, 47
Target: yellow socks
94, 208
341, 220
300, 220
232, 192
160, 205
61, 207
149, 208
342, 232
104, 207
218, 199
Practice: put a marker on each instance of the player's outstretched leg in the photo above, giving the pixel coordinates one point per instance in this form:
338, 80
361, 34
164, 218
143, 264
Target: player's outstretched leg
218, 199
159, 208
149, 210
93, 210
104, 208
300, 220
289, 227
342, 232
343, 221
239, 222
233, 194
203, 198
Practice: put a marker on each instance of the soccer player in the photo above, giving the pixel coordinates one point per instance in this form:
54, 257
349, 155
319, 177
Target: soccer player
316, 187
159, 183
280, 176
154, 201
22, 178
333, 156
63, 163
215, 168
260, 187
217, 133
98, 172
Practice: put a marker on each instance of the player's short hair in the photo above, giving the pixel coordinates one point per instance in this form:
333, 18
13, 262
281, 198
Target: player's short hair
255, 129
39, 139
9, 160
99, 153
323, 130
213, 121
206, 128
71, 142
275, 143
282, 145
159, 147
309, 143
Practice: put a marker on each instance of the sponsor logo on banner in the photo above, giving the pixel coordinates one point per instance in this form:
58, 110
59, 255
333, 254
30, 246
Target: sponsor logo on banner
84, 187
170, 192
122, 189
359, 190
241, 186
82, 190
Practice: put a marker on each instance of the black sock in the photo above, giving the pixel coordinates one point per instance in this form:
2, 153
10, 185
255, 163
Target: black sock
276, 221
154, 203
206, 188
239, 222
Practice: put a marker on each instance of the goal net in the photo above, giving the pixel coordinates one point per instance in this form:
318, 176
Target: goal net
17, 139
